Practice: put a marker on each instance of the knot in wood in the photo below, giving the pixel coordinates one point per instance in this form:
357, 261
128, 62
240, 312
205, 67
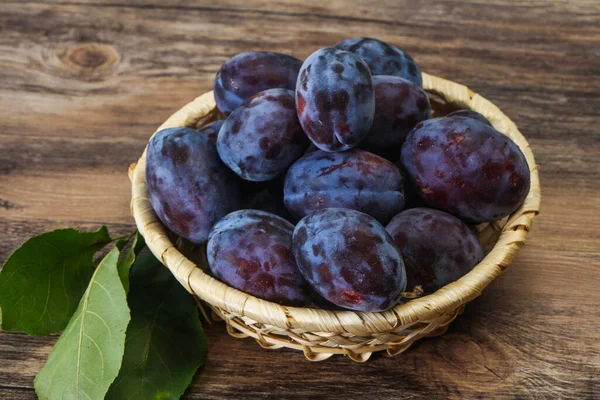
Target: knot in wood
90, 57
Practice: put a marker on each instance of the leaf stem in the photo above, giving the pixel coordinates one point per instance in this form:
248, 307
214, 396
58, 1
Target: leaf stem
416, 292
127, 237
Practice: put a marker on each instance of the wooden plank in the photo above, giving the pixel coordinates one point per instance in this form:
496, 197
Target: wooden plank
16, 393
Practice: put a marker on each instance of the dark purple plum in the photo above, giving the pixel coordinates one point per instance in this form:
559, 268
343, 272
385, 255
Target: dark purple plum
349, 259
334, 99
353, 179
437, 247
262, 137
246, 74
466, 168
211, 130
251, 250
470, 114
188, 186
399, 106
383, 58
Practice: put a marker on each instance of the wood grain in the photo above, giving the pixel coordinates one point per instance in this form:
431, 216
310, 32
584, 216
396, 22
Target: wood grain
83, 84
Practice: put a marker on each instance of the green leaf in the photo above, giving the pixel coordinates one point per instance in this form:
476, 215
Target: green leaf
165, 341
87, 357
42, 282
127, 261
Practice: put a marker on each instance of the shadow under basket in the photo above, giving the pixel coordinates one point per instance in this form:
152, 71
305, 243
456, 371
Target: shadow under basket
322, 333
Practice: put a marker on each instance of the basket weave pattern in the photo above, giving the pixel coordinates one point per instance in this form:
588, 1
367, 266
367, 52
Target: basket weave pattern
321, 333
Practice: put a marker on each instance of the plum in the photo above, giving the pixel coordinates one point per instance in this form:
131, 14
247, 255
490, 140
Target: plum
334, 99
353, 179
470, 114
246, 74
464, 167
262, 137
251, 250
188, 186
383, 58
211, 130
399, 106
437, 247
349, 259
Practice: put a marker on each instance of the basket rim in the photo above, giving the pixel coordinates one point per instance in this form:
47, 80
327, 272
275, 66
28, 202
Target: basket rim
424, 309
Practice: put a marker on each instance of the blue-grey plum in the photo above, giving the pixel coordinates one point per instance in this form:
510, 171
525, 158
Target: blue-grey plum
466, 168
334, 99
262, 137
353, 179
251, 251
246, 74
437, 247
188, 186
383, 58
349, 259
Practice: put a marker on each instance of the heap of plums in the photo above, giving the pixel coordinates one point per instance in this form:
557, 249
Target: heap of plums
329, 184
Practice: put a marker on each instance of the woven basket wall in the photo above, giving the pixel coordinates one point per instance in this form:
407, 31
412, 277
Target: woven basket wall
320, 333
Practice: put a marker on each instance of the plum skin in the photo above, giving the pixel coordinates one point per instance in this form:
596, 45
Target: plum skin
383, 58
334, 99
262, 137
399, 106
246, 74
464, 167
212, 130
251, 250
188, 186
349, 259
470, 114
437, 247
353, 179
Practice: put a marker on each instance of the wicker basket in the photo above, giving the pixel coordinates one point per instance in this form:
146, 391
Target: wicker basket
320, 333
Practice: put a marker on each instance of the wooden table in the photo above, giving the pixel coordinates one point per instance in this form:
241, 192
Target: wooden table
83, 84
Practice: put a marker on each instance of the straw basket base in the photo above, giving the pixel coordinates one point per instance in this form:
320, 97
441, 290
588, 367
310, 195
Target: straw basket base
323, 333
319, 346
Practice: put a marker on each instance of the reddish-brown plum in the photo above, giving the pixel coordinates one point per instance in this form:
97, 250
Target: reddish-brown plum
251, 250
349, 259
466, 168
437, 247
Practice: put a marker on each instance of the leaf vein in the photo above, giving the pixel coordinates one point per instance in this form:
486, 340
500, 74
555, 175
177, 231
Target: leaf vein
91, 339
89, 380
101, 319
163, 363
85, 394
107, 293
